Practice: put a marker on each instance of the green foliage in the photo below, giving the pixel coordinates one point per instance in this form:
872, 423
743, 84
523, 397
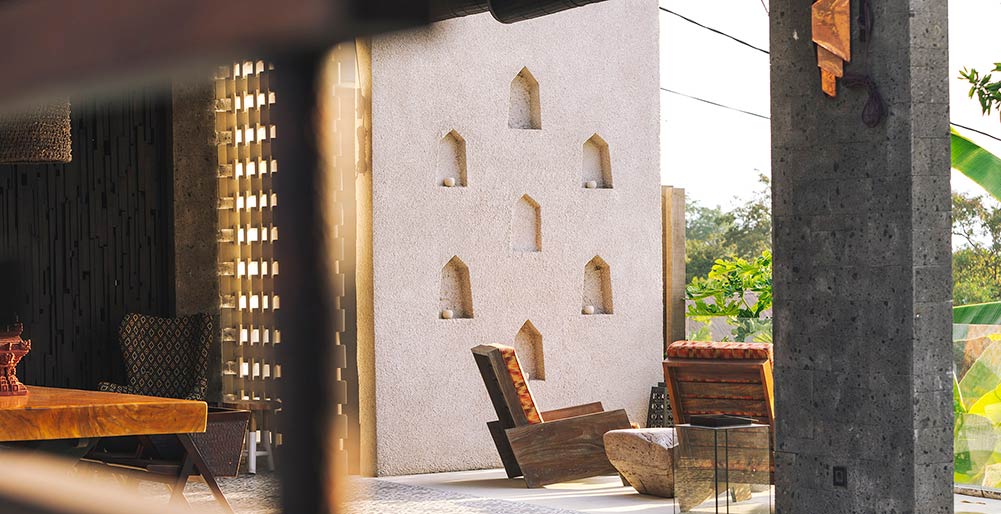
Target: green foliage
712, 233
975, 162
977, 314
988, 92
727, 285
725, 292
976, 264
976, 269
977, 409
958, 406
976, 448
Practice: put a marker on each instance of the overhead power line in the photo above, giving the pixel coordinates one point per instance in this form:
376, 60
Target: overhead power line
971, 129
710, 102
720, 32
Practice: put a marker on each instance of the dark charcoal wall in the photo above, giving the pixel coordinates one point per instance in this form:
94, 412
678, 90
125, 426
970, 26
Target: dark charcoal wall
90, 240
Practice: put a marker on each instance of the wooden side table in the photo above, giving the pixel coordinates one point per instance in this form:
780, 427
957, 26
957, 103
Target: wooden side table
260, 411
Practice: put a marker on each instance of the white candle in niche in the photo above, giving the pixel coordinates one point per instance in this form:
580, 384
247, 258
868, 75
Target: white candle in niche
448, 182
588, 309
447, 314
591, 184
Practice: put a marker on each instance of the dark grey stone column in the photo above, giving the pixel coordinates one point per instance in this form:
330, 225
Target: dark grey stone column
862, 268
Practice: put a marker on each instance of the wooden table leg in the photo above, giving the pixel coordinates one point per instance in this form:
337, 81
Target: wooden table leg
195, 456
177, 491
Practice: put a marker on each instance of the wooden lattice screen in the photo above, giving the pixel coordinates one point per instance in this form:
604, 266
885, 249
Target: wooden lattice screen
247, 235
248, 268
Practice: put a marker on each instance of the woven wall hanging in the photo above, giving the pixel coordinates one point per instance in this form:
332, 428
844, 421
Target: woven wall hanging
37, 135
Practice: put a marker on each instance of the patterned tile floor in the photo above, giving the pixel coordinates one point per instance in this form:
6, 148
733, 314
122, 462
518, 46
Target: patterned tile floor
466, 492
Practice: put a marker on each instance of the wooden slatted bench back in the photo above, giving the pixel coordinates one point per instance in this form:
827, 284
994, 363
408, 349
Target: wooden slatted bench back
719, 386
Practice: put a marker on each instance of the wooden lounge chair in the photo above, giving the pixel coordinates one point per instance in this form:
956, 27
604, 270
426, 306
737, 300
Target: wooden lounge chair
549, 447
722, 378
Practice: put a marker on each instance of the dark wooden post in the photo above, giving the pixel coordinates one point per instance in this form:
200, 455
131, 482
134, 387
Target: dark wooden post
307, 317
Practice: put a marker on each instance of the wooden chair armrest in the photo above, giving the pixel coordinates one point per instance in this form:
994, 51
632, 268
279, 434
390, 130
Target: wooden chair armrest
569, 412
570, 429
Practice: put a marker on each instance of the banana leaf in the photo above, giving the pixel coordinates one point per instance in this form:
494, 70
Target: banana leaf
977, 314
975, 162
989, 406
983, 377
958, 406
975, 446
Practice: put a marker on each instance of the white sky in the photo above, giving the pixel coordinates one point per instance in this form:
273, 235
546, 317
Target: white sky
716, 154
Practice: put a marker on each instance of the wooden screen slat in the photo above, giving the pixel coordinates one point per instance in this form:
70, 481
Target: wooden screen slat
753, 408
708, 374
722, 390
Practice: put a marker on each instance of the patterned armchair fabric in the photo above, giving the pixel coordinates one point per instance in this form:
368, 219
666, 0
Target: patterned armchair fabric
166, 357
714, 350
520, 384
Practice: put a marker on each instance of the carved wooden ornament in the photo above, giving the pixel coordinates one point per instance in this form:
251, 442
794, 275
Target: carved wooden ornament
12, 349
832, 32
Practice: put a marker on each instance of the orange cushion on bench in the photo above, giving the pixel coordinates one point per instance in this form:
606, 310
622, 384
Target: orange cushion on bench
520, 384
715, 350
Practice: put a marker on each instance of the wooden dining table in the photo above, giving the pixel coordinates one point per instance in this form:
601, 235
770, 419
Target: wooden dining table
49, 413
49, 417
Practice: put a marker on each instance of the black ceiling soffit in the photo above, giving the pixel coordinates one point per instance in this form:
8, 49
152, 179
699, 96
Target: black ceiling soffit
504, 11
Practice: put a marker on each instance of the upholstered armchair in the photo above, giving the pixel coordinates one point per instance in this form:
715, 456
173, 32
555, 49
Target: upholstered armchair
166, 357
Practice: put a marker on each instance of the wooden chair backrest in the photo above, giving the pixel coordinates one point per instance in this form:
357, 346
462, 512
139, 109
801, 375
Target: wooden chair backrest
501, 389
720, 386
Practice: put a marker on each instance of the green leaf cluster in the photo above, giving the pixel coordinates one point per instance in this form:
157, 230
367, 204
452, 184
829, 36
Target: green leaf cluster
723, 292
987, 91
739, 290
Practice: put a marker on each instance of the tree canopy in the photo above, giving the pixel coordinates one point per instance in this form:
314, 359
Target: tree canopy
976, 259
744, 232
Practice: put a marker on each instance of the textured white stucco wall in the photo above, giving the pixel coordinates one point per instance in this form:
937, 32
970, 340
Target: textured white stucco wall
597, 69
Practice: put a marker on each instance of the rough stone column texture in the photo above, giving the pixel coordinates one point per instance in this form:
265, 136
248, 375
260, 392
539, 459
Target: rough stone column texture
862, 269
195, 217
597, 70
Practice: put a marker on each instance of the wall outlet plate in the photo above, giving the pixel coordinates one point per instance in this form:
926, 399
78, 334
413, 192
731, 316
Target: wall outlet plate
840, 476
